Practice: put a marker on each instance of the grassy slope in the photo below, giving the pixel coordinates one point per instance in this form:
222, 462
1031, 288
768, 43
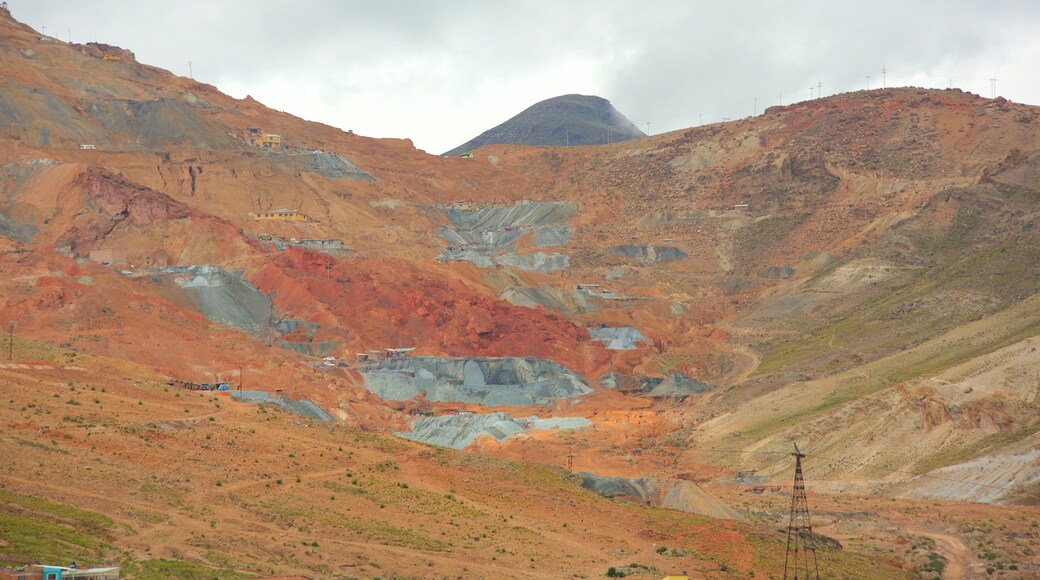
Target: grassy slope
192, 485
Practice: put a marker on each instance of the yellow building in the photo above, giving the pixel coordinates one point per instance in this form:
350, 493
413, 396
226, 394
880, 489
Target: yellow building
287, 215
270, 140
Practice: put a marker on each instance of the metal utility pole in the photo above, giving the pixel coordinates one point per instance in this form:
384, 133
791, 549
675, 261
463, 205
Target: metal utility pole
191, 74
648, 127
700, 118
883, 71
992, 88
754, 110
800, 542
819, 90
811, 89
868, 82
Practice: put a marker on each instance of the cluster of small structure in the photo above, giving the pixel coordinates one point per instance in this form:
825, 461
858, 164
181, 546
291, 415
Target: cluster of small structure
320, 244
281, 215
378, 355
190, 386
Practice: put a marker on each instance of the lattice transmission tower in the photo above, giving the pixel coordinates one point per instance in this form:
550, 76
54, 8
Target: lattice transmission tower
800, 562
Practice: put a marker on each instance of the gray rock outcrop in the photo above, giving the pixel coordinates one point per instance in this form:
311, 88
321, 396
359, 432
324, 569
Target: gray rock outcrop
485, 381
460, 430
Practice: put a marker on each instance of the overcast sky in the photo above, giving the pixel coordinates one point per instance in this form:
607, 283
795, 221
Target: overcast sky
440, 73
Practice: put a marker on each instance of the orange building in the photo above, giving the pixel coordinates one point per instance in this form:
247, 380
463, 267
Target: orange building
289, 215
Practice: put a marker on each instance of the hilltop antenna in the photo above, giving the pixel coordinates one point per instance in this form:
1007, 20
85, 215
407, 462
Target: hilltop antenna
819, 89
811, 89
754, 110
781, 98
883, 72
700, 118
800, 541
992, 88
191, 74
868, 82
648, 128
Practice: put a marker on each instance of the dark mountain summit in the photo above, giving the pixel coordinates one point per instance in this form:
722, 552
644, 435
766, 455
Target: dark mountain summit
565, 120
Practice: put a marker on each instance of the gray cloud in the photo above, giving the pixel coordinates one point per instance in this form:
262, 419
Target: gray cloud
442, 72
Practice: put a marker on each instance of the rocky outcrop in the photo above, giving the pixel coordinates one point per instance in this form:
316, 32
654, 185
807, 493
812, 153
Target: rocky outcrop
674, 385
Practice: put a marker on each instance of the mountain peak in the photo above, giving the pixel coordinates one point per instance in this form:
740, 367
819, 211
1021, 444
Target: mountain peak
563, 120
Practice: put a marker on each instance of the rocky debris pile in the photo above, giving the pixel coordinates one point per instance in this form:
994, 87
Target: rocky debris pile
567, 301
301, 407
617, 338
674, 385
329, 165
460, 430
487, 236
221, 296
550, 236
676, 494
649, 253
508, 381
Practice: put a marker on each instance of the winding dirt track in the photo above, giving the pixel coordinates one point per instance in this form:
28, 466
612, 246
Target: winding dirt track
959, 558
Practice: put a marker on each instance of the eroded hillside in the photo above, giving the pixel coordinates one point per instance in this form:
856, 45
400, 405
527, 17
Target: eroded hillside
856, 274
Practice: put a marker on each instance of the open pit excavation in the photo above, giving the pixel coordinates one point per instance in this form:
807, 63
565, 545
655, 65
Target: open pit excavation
487, 236
458, 431
514, 382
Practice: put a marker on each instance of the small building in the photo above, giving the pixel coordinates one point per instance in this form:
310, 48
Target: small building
87, 147
290, 215
109, 257
746, 473
392, 352
70, 572
586, 287
270, 140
